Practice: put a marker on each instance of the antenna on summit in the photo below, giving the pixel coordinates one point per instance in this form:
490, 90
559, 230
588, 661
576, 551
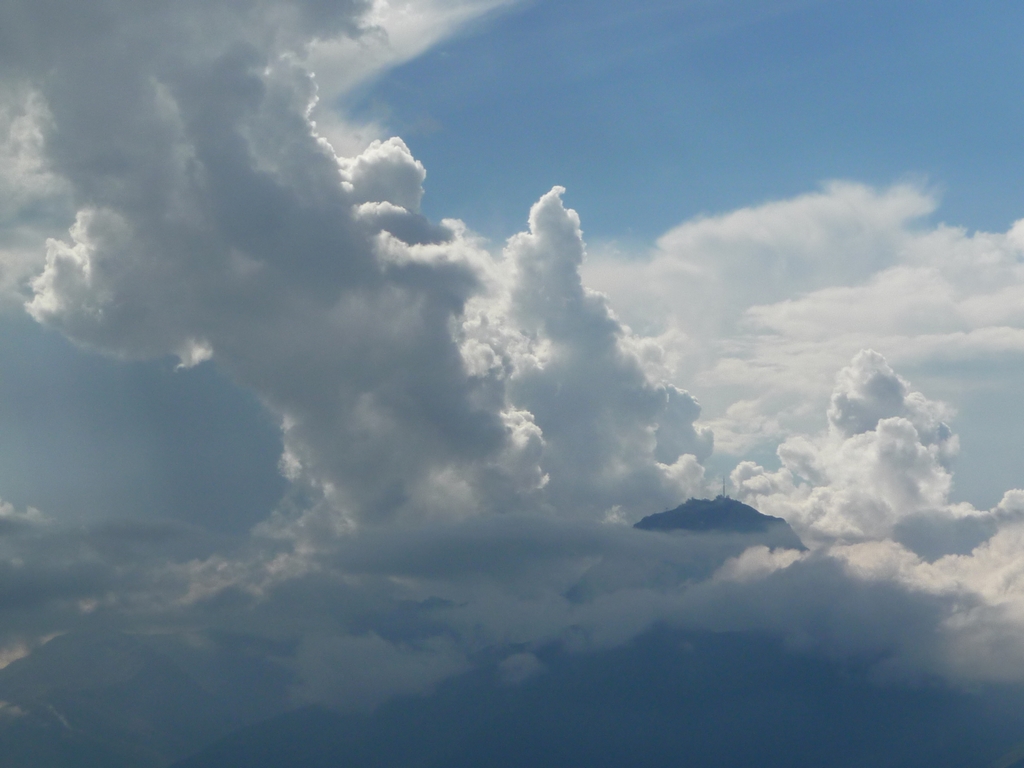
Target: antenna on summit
723, 487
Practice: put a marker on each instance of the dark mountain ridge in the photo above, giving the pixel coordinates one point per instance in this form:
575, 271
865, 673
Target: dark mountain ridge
722, 515
668, 698
106, 699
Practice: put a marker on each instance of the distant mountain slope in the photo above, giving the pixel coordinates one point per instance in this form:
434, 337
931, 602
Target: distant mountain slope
667, 699
722, 515
105, 700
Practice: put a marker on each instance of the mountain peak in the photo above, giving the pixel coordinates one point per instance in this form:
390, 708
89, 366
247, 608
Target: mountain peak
721, 515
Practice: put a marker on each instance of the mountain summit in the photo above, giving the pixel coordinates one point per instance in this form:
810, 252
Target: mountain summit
722, 515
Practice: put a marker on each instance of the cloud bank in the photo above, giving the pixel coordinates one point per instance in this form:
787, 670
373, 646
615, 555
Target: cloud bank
760, 307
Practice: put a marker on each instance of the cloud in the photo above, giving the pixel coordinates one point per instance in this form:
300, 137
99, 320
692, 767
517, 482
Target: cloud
384, 611
756, 309
611, 433
703, 274
425, 387
31, 195
398, 31
237, 234
884, 457
868, 390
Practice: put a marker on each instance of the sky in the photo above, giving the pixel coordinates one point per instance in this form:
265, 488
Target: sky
312, 309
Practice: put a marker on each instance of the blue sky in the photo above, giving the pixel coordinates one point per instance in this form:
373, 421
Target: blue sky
655, 113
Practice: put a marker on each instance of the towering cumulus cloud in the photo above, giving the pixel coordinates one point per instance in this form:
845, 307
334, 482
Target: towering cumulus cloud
414, 374
885, 457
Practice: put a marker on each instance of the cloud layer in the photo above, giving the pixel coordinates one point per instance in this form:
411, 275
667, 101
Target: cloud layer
760, 307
